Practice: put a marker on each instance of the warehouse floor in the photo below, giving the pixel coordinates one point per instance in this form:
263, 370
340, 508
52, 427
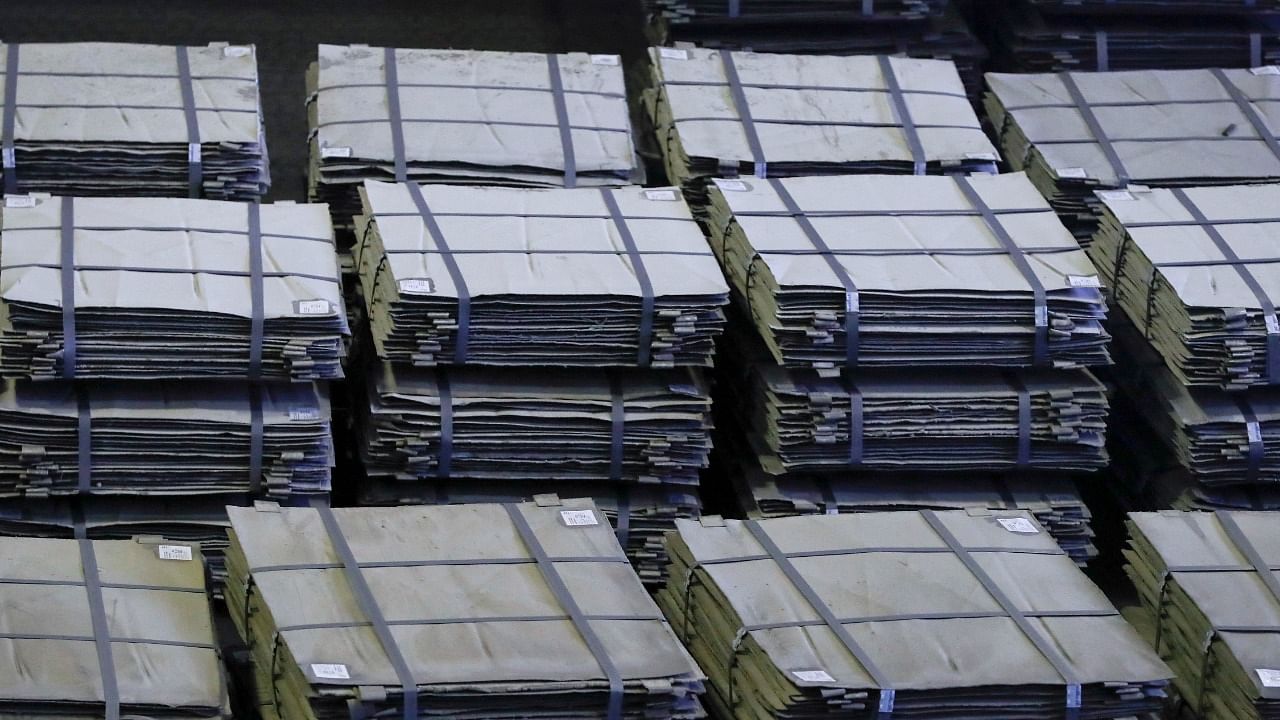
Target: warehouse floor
287, 31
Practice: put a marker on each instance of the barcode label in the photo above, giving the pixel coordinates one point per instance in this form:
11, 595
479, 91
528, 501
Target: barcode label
174, 552
193, 152
665, 195
1073, 172
1253, 431
1273, 324
19, 201
578, 518
1088, 281
1114, 195
335, 152
330, 671
1265, 70
312, 307
417, 286
732, 185
673, 53
604, 59
980, 156
813, 676
236, 51
304, 413
1019, 525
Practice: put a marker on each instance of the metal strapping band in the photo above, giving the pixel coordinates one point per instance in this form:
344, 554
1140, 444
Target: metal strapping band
562, 120
857, 423
444, 462
1255, 49
885, 706
393, 114
918, 159
1271, 322
10, 117
369, 606
394, 117
735, 8
1024, 418
255, 438
1246, 108
1250, 553
1095, 128
828, 492
1074, 692
617, 422
868, 7
622, 528
1040, 352
1001, 483
84, 440
761, 167
1103, 54
852, 311
455, 273
195, 164
556, 584
257, 318
67, 260
98, 616
647, 301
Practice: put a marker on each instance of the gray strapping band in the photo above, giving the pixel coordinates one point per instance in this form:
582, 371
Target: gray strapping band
647, 301
369, 606
735, 8
885, 705
257, 318
10, 159
1253, 432
868, 7
918, 159
617, 422
67, 262
761, 167
1024, 418
1074, 693
562, 120
622, 528
1268, 308
556, 584
195, 165
98, 616
394, 118
857, 423
852, 312
1103, 51
1246, 108
1255, 49
444, 461
455, 273
255, 438
84, 440
1040, 351
1095, 128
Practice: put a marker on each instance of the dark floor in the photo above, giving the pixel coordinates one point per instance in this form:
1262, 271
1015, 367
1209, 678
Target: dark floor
286, 33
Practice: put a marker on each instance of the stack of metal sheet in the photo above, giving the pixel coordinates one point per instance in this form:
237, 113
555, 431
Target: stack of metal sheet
640, 514
163, 439
1053, 500
1194, 269
1031, 41
984, 419
902, 614
148, 288
533, 425
1160, 7
117, 119
774, 12
1207, 584
1076, 132
507, 276
465, 116
527, 610
100, 628
896, 271
722, 113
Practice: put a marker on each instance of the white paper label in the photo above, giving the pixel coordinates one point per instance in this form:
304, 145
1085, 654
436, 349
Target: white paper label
330, 671
1266, 70
1273, 324
667, 195
732, 185
1113, 195
1084, 281
235, 51
578, 518
1018, 525
604, 59
673, 53
813, 676
1253, 431
19, 201
335, 152
304, 413
193, 152
1269, 677
417, 286
174, 552
1071, 173
312, 307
